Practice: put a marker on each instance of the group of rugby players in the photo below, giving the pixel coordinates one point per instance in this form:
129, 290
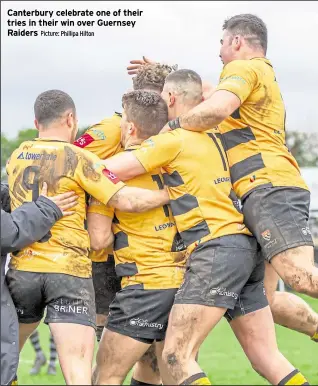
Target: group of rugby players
212, 201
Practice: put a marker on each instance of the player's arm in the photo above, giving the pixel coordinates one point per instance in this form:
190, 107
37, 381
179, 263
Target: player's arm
237, 82
99, 225
107, 188
157, 151
33, 220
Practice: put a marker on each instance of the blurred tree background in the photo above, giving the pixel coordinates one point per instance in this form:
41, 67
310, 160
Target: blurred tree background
304, 146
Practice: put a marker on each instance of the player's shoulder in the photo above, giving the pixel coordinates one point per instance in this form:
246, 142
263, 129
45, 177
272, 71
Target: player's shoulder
102, 128
238, 66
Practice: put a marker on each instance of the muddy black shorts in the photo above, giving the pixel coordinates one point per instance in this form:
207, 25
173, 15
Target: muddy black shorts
226, 272
68, 299
278, 218
106, 284
141, 314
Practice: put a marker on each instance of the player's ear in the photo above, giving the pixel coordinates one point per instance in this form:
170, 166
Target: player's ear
132, 128
70, 120
237, 42
36, 124
172, 99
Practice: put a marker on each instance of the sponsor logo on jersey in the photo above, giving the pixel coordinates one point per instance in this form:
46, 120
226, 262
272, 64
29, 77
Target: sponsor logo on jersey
144, 323
98, 133
164, 226
111, 176
84, 140
37, 156
222, 179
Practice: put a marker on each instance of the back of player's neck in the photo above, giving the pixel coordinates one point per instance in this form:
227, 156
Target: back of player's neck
133, 142
52, 134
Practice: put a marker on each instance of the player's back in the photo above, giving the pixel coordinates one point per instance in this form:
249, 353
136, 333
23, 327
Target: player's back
254, 135
64, 167
203, 203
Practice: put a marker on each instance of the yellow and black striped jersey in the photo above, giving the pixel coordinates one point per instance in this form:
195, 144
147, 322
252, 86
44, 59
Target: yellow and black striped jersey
148, 250
196, 172
254, 135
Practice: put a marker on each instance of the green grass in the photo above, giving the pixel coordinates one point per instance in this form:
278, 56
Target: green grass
221, 357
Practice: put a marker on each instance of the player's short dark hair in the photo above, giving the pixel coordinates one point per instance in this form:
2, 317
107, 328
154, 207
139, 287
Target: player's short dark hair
152, 77
51, 105
184, 76
147, 110
251, 27
186, 83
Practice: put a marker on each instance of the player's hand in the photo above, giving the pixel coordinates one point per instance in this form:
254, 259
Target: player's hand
165, 129
137, 64
64, 201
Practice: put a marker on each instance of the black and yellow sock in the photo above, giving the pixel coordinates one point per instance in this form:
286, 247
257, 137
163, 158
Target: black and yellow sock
53, 353
197, 379
294, 378
315, 336
35, 341
134, 382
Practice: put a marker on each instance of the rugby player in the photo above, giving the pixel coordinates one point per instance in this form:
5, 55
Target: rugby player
103, 139
250, 112
147, 257
56, 272
224, 273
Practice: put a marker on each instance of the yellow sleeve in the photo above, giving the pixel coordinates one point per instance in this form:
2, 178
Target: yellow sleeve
159, 150
94, 178
239, 78
102, 139
97, 207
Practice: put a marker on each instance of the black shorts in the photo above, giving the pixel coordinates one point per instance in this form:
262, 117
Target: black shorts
278, 218
225, 272
106, 284
141, 314
68, 299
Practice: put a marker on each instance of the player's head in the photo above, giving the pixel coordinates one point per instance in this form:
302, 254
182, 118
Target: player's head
144, 114
54, 110
182, 91
243, 34
151, 77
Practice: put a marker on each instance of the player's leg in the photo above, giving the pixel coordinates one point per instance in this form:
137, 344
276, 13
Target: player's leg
278, 218
256, 334
53, 356
40, 359
116, 355
213, 280
106, 285
146, 371
140, 315
253, 325
297, 269
71, 316
288, 309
